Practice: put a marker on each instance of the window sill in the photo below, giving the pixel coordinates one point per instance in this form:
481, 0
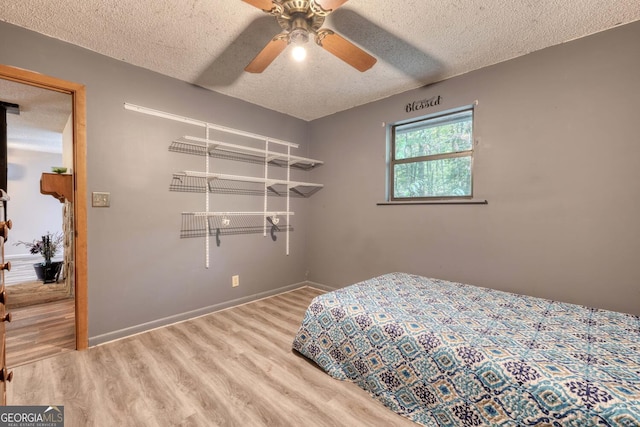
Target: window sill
436, 202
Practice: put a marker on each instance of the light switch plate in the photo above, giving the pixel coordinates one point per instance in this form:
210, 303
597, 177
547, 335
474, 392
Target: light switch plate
100, 199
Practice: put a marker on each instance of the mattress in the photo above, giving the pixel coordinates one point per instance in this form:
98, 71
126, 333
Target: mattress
449, 354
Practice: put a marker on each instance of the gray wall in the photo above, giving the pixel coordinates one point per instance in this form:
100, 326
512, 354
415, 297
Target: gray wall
141, 274
557, 160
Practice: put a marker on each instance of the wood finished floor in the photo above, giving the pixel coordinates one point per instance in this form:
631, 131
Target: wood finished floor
39, 331
230, 368
35, 292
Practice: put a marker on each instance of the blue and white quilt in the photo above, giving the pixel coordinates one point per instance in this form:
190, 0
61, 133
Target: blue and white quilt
447, 354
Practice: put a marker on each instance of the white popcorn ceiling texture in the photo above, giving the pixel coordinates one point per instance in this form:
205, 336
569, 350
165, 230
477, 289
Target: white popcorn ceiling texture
43, 116
416, 42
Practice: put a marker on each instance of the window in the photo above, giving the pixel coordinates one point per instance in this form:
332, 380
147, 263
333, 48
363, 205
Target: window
432, 158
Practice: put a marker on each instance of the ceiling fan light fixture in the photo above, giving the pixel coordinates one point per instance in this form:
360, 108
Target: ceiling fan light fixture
298, 37
299, 53
298, 19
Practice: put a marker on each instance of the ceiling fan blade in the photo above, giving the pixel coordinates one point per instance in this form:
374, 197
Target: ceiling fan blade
330, 5
267, 55
345, 50
265, 5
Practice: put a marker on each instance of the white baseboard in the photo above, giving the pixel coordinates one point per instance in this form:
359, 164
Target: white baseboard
25, 257
320, 286
148, 326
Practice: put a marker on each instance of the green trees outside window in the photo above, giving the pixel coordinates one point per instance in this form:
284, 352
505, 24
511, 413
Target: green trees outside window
433, 158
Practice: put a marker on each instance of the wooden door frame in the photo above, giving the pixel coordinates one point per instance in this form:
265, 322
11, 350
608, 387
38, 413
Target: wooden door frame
78, 96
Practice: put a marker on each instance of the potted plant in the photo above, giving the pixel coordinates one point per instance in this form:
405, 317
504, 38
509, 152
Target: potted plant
47, 271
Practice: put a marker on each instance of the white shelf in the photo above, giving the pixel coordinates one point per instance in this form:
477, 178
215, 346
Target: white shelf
223, 214
216, 224
201, 182
203, 146
203, 124
258, 180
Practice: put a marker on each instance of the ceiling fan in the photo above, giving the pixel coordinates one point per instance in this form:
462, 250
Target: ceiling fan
298, 19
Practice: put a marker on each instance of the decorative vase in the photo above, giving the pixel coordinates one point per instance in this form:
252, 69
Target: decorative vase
48, 273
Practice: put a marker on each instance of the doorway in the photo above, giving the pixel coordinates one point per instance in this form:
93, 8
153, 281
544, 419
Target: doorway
78, 212
38, 137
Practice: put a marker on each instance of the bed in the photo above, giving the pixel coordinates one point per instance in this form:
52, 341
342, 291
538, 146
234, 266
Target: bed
449, 354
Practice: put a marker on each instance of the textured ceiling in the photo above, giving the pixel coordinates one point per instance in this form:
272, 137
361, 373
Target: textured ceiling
416, 42
43, 116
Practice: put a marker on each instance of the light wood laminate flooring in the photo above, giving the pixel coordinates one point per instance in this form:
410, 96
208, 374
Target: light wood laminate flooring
230, 368
35, 292
39, 331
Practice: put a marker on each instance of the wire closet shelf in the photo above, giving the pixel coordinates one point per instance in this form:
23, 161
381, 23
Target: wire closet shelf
215, 224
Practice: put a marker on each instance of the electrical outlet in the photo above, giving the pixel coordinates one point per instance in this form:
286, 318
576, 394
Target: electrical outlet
235, 281
100, 199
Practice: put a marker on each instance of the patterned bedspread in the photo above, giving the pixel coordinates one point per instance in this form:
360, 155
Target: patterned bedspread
448, 354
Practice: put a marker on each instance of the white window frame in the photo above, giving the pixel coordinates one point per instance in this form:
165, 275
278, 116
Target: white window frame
434, 118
